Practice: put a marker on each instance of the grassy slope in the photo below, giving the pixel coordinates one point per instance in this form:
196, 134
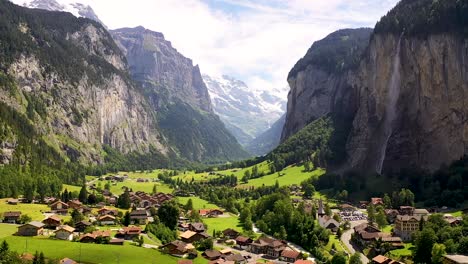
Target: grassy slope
198, 203
33, 210
289, 176
222, 223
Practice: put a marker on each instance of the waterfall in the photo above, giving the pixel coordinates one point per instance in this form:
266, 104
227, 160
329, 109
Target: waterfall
390, 108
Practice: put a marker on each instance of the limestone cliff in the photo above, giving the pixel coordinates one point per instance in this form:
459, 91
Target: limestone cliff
405, 97
67, 76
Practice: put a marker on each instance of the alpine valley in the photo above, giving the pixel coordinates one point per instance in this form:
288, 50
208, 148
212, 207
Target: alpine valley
112, 136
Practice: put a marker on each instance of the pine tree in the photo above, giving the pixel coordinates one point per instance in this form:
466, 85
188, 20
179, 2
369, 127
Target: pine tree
83, 196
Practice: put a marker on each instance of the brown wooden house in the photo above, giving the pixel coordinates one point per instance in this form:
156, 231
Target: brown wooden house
31, 229
52, 222
11, 217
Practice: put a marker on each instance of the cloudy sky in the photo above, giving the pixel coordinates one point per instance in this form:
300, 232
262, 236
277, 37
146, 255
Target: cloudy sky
257, 41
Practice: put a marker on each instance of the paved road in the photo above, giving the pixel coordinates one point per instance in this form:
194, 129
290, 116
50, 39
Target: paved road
346, 237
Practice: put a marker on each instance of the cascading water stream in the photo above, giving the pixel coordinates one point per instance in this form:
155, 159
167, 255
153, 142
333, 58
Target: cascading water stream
390, 109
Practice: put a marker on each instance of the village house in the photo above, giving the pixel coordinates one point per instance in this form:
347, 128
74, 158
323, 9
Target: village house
197, 227
452, 221
179, 249
12, 201
64, 232
183, 226
107, 211
290, 256
184, 261
92, 237
301, 261
347, 208
455, 259
129, 233
366, 234
211, 254
81, 226
11, 217
58, 205
33, 228
210, 212
107, 220
52, 222
376, 201
139, 217
267, 246
117, 241
74, 204
243, 242
230, 233
406, 225
191, 237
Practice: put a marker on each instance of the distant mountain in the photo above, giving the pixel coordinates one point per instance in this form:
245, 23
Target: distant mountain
268, 140
239, 106
77, 9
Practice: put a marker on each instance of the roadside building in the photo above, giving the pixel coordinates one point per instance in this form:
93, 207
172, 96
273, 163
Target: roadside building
268, 246
129, 233
191, 236
33, 228
243, 242
179, 249
230, 233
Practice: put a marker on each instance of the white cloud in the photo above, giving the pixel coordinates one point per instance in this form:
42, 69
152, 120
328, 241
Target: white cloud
258, 43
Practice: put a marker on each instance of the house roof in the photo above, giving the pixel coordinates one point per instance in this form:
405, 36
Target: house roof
380, 259
139, 213
131, 230
242, 239
211, 253
457, 258
290, 254
225, 251
421, 211
85, 223
407, 218
235, 257
66, 228
188, 234
184, 261
301, 261
35, 224
198, 226
55, 218
12, 214
58, 202
230, 231
376, 200
108, 217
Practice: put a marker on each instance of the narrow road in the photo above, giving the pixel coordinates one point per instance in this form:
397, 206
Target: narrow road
346, 239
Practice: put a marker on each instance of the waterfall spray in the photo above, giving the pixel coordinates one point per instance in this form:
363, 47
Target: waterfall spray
392, 99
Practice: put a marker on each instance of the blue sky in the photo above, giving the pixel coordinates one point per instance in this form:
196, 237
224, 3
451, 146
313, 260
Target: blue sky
257, 41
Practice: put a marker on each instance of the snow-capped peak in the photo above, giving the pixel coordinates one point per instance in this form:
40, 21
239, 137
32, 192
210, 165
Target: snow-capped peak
75, 8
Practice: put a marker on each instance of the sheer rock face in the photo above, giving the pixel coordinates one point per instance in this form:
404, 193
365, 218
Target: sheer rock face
431, 126
82, 116
160, 67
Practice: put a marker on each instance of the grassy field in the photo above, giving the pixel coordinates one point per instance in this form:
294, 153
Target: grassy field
71, 188
337, 244
139, 186
88, 253
7, 230
289, 176
33, 210
387, 229
222, 223
402, 252
198, 203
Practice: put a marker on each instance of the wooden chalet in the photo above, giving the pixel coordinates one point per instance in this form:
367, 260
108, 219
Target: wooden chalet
289, 256
129, 233
268, 246
74, 204
139, 217
230, 233
190, 236
197, 227
243, 242
107, 220
211, 254
52, 222
81, 226
33, 228
179, 248
64, 232
12, 217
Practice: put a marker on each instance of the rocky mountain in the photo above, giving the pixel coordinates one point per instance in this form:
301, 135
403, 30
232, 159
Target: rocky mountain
245, 111
77, 9
68, 78
71, 82
175, 89
400, 104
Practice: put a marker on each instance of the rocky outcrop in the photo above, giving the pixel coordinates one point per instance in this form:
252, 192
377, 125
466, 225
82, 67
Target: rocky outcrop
177, 93
430, 124
160, 67
405, 98
319, 82
79, 97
